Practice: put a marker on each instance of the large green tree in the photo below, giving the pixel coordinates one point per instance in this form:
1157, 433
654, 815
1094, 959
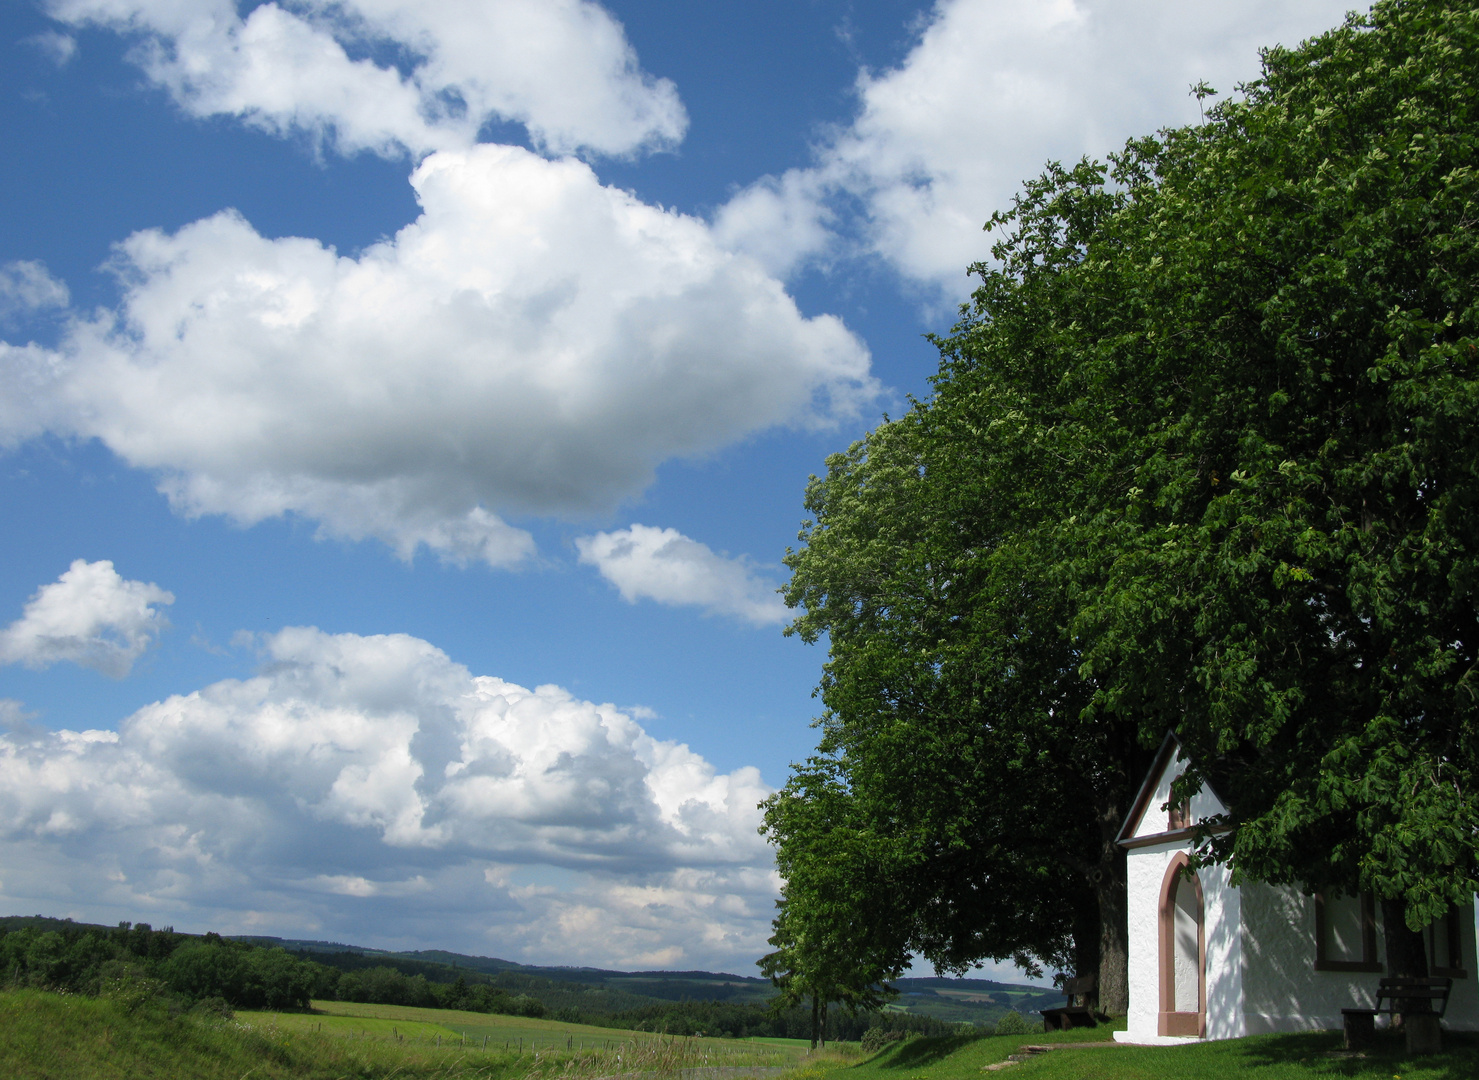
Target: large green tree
1202, 454
1292, 580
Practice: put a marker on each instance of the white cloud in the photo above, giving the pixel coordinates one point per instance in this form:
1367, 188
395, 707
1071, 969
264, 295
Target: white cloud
368, 786
58, 48
562, 68
992, 90
534, 342
664, 565
25, 286
90, 616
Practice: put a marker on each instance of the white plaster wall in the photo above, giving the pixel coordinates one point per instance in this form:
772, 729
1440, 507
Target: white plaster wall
1284, 992
1146, 871
1463, 1004
1225, 1019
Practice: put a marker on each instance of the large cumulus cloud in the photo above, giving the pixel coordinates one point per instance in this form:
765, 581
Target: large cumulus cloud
359, 782
561, 68
534, 342
992, 90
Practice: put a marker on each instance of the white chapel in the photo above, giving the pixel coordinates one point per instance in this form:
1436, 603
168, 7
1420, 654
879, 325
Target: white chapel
1212, 961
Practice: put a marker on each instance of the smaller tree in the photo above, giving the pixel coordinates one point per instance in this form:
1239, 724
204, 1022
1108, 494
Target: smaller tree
839, 933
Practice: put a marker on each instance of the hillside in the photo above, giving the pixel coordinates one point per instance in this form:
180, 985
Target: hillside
975, 1001
675, 1001
47, 1036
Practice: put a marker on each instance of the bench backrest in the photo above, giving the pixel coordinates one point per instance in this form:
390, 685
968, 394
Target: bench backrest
1433, 991
1081, 988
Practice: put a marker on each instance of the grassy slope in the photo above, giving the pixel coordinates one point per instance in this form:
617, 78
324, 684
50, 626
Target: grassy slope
1269, 1057
46, 1036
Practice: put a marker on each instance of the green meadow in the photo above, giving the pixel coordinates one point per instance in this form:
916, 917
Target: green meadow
520, 1035
48, 1036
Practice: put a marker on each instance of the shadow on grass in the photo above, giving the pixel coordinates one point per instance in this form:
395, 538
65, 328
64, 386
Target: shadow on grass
1321, 1053
925, 1051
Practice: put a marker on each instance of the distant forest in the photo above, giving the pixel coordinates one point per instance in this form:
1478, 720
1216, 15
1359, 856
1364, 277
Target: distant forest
214, 972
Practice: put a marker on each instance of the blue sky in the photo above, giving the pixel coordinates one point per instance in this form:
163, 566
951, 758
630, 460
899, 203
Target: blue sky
404, 410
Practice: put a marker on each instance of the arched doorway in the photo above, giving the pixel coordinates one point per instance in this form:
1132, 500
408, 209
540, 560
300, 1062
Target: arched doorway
1183, 952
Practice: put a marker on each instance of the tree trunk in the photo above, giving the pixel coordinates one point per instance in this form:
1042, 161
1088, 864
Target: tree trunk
1108, 877
1407, 957
1114, 936
1086, 931
816, 1013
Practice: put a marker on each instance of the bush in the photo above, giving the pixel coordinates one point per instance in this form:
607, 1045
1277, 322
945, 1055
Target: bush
876, 1038
524, 1005
214, 1007
127, 986
1012, 1024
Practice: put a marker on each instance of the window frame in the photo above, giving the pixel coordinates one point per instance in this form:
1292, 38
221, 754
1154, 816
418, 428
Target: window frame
1368, 961
1454, 968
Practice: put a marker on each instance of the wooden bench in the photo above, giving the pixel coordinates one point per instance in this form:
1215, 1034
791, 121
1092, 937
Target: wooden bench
1360, 1024
1082, 994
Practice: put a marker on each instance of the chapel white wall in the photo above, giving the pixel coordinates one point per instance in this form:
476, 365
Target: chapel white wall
1145, 873
1283, 991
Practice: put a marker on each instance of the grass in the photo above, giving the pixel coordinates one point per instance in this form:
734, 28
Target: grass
1306, 1056
347, 1019
46, 1036
65, 1037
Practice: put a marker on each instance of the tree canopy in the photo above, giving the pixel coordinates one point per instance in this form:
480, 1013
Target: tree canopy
1201, 454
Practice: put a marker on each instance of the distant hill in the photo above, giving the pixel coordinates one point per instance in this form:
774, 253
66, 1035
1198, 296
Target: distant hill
590, 990
976, 1001
649, 986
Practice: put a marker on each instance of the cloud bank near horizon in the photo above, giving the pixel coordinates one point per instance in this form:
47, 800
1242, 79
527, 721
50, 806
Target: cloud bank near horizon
360, 781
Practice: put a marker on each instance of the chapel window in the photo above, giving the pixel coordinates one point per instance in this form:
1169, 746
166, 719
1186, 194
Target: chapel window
1345, 932
1444, 939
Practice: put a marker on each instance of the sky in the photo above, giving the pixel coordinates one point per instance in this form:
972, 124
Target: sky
405, 409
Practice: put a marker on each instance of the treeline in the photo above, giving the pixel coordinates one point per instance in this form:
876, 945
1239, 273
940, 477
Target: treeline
560, 998
137, 962
133, 960
727, 1019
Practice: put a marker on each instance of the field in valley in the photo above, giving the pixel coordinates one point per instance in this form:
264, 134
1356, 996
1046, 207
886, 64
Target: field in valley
47, 1036
514, 1034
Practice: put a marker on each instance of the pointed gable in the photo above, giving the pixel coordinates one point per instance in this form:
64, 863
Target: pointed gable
1149, 820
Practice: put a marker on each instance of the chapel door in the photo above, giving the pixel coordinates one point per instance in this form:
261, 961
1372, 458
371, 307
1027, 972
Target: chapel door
1183, 953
